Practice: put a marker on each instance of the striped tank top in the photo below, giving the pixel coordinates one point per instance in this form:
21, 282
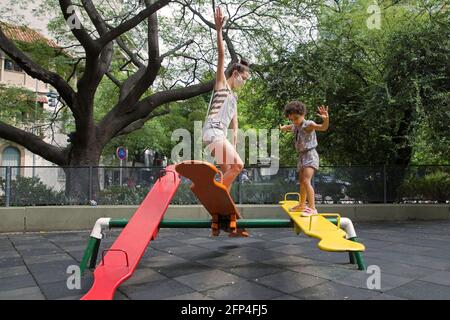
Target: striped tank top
223, 106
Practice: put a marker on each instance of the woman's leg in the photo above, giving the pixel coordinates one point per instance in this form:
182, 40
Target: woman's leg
308, 173
228, 159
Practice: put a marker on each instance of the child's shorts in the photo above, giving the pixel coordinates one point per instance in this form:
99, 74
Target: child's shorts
213, 131
308, 159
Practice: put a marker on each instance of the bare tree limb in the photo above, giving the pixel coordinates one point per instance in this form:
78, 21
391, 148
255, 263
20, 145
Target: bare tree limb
33, 143
133, 22
36, 71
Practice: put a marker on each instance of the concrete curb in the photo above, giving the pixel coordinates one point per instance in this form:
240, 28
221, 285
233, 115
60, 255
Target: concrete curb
68, 218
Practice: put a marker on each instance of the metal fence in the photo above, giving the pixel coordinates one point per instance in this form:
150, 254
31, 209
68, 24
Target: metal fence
38, 186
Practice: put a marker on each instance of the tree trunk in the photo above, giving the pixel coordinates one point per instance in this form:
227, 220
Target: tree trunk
82, 178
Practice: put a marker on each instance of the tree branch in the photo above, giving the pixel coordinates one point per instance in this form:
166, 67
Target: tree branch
33, 143
140, 123
130, 24
77, 28
36, 71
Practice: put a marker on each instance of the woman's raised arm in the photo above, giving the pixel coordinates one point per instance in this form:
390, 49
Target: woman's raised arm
220, 73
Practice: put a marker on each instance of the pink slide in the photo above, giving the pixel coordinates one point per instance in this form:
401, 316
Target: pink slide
120, 261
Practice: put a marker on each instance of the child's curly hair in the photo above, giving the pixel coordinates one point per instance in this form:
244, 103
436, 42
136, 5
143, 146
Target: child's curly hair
294, 107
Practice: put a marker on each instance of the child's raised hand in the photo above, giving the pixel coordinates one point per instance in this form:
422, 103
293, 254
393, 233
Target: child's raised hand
323, 112
219, 19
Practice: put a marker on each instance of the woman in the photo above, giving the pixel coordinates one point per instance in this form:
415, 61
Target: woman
222, 112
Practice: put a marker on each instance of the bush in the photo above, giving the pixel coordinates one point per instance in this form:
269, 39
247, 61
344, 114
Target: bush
434, 186
122, 195
30, 191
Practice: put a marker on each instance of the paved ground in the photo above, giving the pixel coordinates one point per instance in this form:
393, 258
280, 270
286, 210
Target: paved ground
414, 259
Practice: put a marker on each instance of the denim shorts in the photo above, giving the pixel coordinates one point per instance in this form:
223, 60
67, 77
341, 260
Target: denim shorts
213, 131
308, 158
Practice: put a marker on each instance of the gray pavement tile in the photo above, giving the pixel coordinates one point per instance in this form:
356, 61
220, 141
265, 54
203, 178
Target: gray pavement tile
286, 297
422, 261
407, 248
189, 296
38, 252
9, 254
441, 278
200, 240
48, 258
159, 244
400, 269
28, 293
143, 275
255, 254
77, 255
384, 296
243, 241
13, 271
295, 249
161, 261
290, 281
421, 290
50, 271
17, 282
58, 290
263, 245
329, 272
372, 243
182, 268
224, 261
205, 280
33, 246
156, 290
291, 261
253, 271
243, 290
334, 291
298, 240
11, 262
362, 278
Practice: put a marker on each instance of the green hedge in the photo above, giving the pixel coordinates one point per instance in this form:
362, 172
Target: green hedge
30, 191
434, 186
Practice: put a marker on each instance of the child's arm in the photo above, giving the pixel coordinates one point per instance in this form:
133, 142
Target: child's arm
287, 127
220, 73
323, 113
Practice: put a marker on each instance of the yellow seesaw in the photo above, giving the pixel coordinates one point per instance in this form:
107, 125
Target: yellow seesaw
332, 237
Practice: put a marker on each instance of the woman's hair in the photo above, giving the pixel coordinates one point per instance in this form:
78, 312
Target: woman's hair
240, 66
294, 107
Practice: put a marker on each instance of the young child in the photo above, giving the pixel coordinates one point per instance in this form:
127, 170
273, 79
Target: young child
305, 144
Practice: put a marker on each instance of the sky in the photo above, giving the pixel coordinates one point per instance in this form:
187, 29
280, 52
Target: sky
33, 22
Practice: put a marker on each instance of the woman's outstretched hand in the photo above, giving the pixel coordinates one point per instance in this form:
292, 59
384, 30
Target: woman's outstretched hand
219, 19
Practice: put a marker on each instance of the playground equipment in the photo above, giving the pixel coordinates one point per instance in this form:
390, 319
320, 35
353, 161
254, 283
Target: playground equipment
213, 195
119, 262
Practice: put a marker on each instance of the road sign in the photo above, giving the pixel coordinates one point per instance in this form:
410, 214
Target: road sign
121, 153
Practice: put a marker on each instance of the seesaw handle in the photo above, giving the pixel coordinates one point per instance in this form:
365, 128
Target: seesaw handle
298, 194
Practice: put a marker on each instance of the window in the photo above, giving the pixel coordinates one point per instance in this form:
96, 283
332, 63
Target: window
12, 66
9, 65
11, 158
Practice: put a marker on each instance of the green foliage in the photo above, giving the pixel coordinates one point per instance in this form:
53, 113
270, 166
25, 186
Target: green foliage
434, 186
30, 191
